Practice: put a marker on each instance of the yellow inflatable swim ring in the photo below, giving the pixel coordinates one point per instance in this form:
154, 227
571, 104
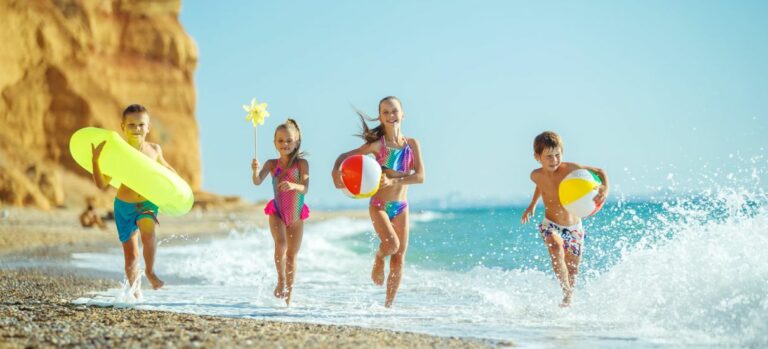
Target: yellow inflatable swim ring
126, 165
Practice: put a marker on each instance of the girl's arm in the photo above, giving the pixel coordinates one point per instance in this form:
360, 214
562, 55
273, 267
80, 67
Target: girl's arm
101, 180
419, 172
364, 149
303, 185
258, 176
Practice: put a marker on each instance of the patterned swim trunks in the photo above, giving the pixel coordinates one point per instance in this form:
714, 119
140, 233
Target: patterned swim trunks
573, 236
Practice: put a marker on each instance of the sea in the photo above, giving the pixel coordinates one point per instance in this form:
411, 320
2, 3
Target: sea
680, 268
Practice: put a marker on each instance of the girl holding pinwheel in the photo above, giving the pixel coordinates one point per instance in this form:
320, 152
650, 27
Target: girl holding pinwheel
287, 211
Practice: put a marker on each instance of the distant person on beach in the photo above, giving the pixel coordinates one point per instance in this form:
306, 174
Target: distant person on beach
562, 232
90, 217
287, 211
132, 211
401, 162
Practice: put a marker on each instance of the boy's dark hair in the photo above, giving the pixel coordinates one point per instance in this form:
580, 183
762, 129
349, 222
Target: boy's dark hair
134, 108
371, 135
547, 140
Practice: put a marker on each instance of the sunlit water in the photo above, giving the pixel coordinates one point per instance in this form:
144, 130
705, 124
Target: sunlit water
686, 269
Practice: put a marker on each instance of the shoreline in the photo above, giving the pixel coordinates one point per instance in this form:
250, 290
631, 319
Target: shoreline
37, 308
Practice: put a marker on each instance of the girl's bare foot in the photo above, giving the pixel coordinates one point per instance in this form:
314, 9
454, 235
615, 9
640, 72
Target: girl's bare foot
155, 281
377, 274
288, 293
279, 289
566, 300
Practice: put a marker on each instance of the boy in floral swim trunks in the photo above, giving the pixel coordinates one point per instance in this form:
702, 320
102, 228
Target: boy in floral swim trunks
562, 232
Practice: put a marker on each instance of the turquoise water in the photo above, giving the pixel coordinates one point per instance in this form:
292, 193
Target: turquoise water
680, 270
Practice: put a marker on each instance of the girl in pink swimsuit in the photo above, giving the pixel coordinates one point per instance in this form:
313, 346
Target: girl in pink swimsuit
287, 211
401, 162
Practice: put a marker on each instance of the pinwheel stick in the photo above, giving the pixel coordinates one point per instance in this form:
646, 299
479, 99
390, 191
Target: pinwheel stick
255, 143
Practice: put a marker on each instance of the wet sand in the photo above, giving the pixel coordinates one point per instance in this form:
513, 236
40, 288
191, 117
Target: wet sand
36, 308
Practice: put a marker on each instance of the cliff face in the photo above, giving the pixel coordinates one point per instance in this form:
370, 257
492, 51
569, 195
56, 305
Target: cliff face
67, 64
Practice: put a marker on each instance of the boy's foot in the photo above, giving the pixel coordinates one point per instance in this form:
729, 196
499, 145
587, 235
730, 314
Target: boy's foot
279, 290
155, 281
377, 274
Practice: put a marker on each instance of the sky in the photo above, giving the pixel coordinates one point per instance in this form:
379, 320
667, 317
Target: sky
656, 93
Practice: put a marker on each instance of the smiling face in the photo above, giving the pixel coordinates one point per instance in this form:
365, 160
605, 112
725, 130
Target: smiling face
390, 114
135, 126
550, 158
285, 141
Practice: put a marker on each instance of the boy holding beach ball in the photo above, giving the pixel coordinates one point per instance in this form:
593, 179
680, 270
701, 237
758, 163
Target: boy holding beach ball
561, 230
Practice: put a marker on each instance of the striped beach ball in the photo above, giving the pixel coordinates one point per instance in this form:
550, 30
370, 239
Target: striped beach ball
577, 192
361, 176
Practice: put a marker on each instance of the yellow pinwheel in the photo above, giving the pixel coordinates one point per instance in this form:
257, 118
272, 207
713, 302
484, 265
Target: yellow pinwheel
256, 112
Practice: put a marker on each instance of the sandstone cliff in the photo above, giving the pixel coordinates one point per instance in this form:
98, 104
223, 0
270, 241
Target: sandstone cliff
66, 64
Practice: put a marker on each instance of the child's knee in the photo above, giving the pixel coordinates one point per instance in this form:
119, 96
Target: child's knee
390, 247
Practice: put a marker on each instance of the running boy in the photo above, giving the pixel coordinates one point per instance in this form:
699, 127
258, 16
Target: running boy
562, 232
132, 211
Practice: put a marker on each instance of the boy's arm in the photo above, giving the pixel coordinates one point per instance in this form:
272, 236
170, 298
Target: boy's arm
419, 173
161, 159
364, 149
101, 180
602, 192
259, 175
531, 210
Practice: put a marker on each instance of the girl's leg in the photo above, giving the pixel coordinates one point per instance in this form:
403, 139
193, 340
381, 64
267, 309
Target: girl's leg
389, 242
295, 233
131, 254
149, 242
397, 261
554, 245
277, 227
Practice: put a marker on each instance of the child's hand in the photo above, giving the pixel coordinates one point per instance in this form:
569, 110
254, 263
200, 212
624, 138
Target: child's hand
337, 181
529, 212
385, 181
286, 186
255, 166
96, 150
602, 194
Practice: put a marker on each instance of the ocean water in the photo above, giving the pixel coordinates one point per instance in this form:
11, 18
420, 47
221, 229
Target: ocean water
682, 269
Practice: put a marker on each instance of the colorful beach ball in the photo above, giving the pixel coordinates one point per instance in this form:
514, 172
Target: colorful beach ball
577, 193
361, 176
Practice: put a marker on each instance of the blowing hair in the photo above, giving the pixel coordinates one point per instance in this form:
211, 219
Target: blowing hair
291, 125
134, 108
370, 135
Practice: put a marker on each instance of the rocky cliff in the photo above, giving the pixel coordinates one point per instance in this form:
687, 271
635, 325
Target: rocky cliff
66, 64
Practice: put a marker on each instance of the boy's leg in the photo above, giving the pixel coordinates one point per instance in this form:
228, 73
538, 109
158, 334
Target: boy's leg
389, 245
277, 227
572, 262
397, 260
131, 254
295, 233
554, 245
149, 243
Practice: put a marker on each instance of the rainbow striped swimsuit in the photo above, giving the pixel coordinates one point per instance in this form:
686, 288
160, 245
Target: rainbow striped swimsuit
400, 160
288, 205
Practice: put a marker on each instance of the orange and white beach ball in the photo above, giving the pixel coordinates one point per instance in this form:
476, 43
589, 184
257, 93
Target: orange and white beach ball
360, 175
577, 193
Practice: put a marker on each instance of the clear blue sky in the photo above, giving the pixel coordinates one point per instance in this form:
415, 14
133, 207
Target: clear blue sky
643, 89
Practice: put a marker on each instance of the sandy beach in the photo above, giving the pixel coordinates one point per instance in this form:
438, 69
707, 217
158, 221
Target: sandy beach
37, 308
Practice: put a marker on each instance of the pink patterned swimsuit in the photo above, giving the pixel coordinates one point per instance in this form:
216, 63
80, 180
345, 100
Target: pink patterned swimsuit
288, 205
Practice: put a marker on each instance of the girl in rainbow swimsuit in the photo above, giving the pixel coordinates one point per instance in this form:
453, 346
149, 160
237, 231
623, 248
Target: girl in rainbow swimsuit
287, 211
401, 162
